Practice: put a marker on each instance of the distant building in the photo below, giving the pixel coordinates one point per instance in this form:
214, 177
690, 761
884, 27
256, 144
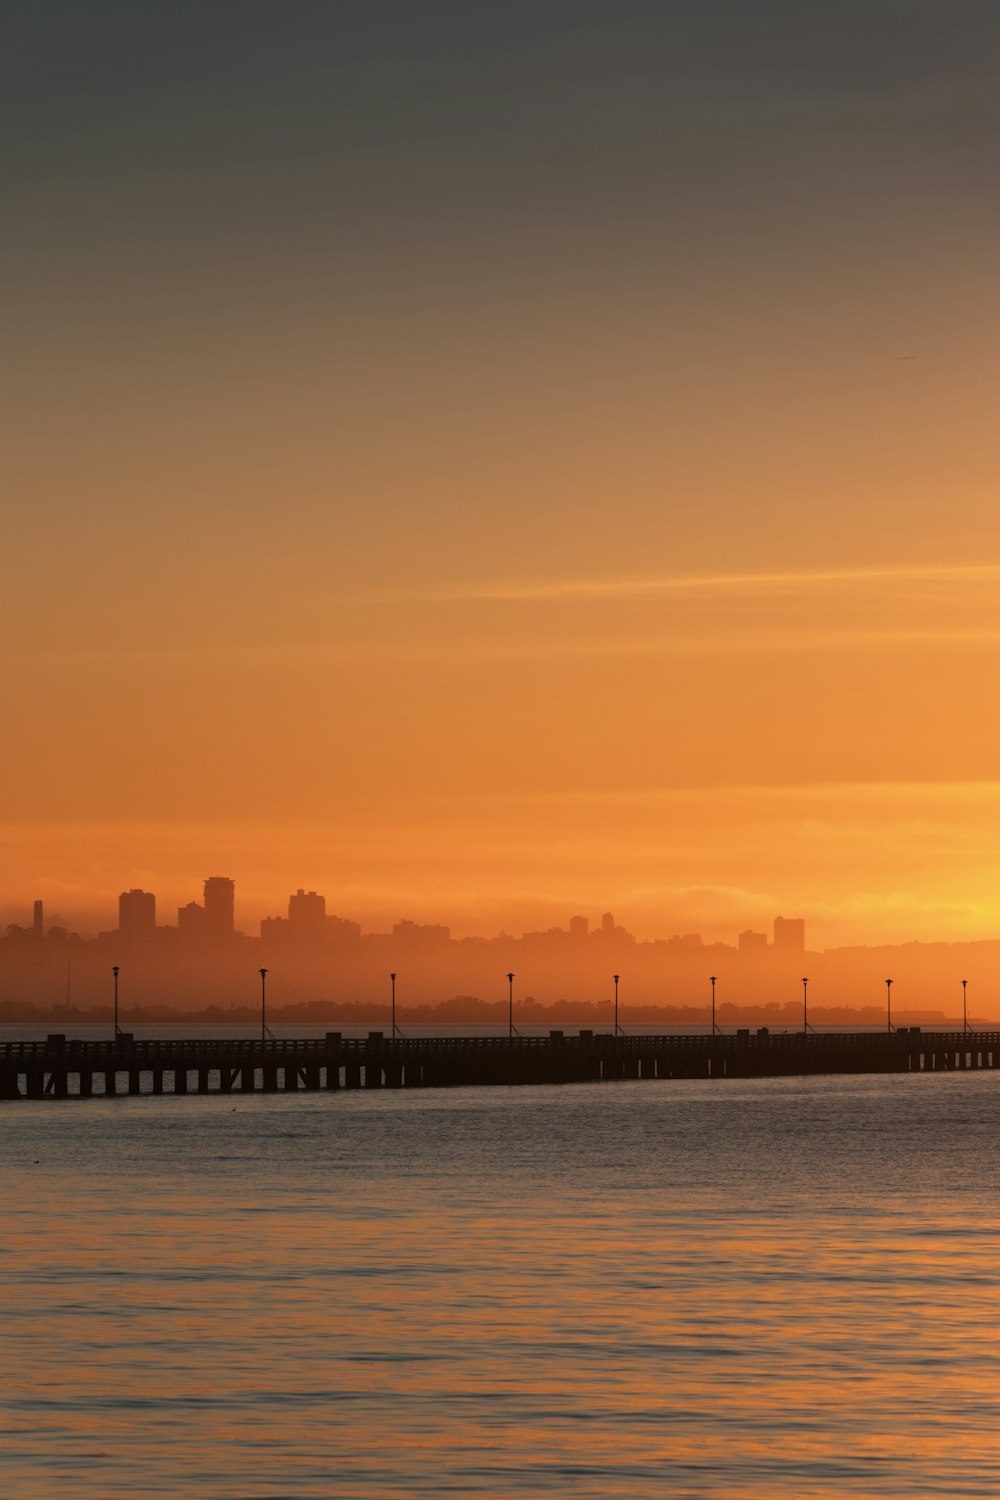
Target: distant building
273, 929
342, 930
191, 920
686, 941
421, 935
307, 916
38, 920
137, 914
220, 899
578, 927
753, 942
790, 934
611, 936
553, 938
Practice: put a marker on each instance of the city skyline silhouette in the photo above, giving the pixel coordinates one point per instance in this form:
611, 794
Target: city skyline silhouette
325, 964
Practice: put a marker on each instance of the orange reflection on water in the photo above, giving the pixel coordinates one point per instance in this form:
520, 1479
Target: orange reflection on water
582, 1291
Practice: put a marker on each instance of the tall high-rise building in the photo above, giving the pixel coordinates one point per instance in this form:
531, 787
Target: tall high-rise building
608, 923
578, 927
220, 897
790, 934
38, 920
136, 914
307, 916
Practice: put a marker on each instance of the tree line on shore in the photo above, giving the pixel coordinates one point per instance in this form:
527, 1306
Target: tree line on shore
468, 1008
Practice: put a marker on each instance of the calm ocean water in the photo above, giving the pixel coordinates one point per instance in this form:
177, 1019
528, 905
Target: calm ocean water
732, 1289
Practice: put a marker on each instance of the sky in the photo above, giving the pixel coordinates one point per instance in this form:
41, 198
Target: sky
487, 462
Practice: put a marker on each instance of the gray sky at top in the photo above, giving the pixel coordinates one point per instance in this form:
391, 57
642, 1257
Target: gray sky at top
218, 209
356, 124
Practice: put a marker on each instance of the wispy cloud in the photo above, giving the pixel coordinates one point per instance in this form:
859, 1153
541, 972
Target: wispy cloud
835, 609
559, 590
249, 656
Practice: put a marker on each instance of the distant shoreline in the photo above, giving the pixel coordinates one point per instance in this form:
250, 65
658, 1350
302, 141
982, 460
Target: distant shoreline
478, 1013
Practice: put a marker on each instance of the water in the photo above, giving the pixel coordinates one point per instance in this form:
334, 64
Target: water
738, 1289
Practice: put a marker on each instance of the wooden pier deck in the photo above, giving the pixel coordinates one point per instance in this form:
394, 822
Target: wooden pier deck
63, 1068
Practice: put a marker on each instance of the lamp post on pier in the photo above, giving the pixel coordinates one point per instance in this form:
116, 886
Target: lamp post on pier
615, 978
714, 1028
965, 1013
510, 1006
805, 1007
888, 1006
392, 978
263, 1005
114, 971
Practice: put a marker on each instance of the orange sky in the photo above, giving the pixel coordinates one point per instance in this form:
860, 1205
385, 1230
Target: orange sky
532, 512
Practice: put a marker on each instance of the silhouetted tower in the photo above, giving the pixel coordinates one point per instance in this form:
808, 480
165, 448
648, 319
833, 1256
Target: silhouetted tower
307, 916
136, 914
220, 895
578, 927
608, 924
191, 920
789, 934
38, 920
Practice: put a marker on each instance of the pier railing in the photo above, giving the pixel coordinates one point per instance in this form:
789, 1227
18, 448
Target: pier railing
130, 1049
62, 1066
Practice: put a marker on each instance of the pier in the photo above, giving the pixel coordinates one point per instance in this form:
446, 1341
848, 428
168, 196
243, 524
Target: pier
63, 1068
